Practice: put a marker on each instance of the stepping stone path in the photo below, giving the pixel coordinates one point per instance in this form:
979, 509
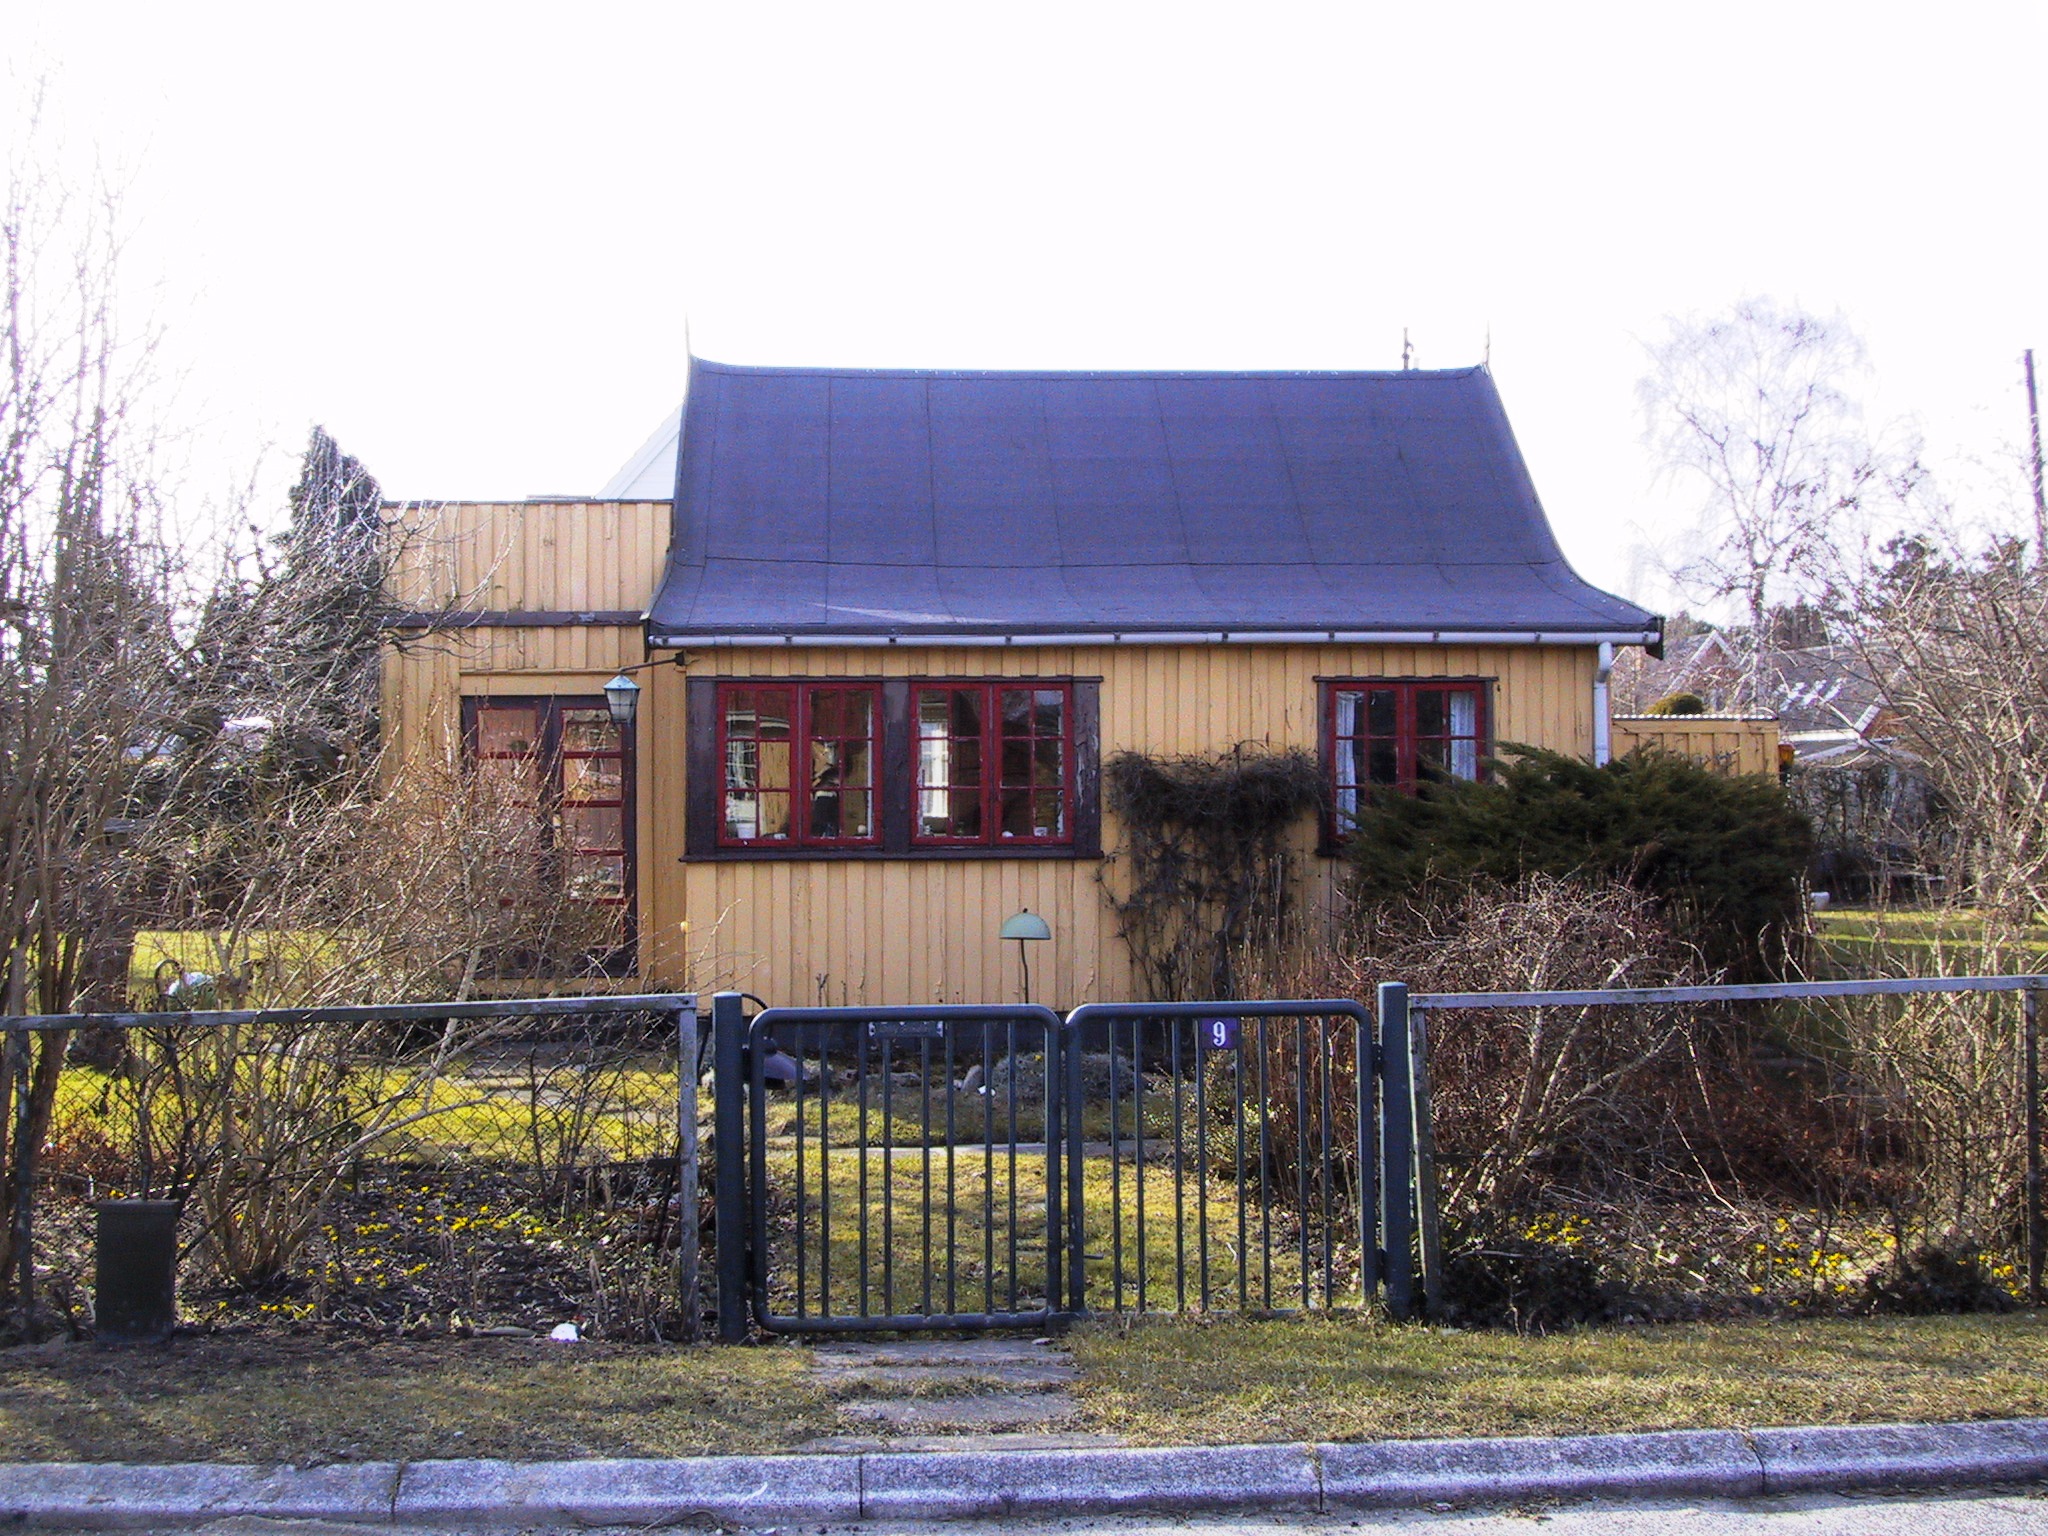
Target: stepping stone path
951, 1394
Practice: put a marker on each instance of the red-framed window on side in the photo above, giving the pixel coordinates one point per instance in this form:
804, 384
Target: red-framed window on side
1390, 734
994, 764
555, 776
800, 764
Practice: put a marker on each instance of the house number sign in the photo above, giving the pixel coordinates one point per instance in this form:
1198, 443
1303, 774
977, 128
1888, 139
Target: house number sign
1218, 1034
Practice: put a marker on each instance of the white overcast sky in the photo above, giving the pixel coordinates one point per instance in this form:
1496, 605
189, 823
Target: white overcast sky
465, 238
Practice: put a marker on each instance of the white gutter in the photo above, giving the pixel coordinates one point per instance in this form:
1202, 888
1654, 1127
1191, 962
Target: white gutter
1606, 639
1603, 730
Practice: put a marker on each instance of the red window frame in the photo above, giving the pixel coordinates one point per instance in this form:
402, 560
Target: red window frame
1406, 746
803, 738
998, 748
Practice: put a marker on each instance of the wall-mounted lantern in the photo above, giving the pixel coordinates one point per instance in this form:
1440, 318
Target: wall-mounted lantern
622, 694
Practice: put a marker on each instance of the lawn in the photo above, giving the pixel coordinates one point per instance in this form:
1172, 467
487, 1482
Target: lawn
315, 1397
1226, 1381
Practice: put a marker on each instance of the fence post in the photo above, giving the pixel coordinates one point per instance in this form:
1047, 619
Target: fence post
2030, 1006
1429, 1243
728, 1050
689, 1282
1397, 1149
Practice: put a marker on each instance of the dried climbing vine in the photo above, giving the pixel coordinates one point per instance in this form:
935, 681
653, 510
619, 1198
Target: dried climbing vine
1208, 871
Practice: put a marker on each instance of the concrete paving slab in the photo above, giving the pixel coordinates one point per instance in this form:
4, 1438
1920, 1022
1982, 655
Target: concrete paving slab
109, 1496
1679, 1464
950, 1485
621, 1492
996, 1411
1007, 1440
1836, 1457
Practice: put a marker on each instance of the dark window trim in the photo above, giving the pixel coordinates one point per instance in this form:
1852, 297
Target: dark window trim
800, 735
705, 776
1330, 843
624, 961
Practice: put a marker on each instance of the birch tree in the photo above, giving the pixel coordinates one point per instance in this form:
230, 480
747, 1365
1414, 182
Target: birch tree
1755, 411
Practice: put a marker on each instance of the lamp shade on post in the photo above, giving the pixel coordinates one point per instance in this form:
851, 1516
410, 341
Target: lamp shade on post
1026, 927
622, 694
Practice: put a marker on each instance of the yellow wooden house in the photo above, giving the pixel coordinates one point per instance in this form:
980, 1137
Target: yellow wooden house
887, 625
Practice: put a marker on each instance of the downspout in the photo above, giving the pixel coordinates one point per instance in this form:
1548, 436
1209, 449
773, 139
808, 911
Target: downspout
1603, 735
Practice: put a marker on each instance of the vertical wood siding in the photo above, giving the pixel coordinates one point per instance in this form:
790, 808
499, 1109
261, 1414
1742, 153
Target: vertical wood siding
1727, 743
878, 931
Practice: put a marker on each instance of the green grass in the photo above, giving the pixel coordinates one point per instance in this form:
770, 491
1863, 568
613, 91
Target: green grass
1225, 1382
1867, 941
313, 1397
898, 1238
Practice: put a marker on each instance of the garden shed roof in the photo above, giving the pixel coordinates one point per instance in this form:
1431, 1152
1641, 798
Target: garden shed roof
816, 506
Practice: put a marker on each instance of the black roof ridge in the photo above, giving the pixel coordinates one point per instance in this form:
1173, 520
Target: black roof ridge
826, 371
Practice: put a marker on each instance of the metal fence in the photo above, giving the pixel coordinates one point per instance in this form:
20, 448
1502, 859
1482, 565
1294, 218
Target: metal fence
503, 1164
2009, 1080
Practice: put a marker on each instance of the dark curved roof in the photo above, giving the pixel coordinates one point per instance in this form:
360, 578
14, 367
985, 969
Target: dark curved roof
813, 503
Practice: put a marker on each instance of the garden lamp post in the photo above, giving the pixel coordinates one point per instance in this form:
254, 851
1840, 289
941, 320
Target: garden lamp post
1026, 927
622, 695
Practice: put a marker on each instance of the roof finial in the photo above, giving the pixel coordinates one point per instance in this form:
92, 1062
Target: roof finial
1407, 351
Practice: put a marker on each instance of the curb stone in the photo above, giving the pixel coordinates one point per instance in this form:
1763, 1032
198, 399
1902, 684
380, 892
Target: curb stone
969, 1484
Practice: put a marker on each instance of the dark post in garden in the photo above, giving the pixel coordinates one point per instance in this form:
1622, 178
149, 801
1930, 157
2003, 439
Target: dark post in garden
2030, 1012
1397, 1149
689, 1282
728, 1056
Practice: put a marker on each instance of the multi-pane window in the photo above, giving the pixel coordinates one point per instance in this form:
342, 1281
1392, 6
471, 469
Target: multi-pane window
563, 760
1392, 735
799, 764
994, 763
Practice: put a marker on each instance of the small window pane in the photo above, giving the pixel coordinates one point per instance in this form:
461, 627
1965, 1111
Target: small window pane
594, 827
854, 809
825, 712
772, 763
1049, 814
598, 877
1048, 712
966, 816
1017, 761
592, 778
1381, 765
773, 720
967, 761
500, 730
1429, 759
1429, 712
1045, 762
934, 712
1379, 712
774, 816
1016, 813
856, 763
1016, 712
965, 712
589, 730
826, 813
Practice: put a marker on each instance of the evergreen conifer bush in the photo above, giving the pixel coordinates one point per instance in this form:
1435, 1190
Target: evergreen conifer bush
1723, 857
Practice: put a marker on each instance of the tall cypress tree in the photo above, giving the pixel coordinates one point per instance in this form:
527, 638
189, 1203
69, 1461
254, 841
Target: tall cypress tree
334, 559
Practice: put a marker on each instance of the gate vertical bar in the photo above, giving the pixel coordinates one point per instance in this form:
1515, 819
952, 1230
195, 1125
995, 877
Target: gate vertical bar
1077, 1229
2030, 1005
1397, 1149
1055, 1084
1428, 1232
689, 1282
1365, 1084
728, 1045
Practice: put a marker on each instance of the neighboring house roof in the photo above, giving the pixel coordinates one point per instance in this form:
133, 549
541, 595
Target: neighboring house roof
819, 503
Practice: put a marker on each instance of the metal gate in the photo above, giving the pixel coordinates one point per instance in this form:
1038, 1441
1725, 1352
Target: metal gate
973, 1167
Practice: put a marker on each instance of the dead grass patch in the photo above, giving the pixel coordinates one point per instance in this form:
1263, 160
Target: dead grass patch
1231, 1382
